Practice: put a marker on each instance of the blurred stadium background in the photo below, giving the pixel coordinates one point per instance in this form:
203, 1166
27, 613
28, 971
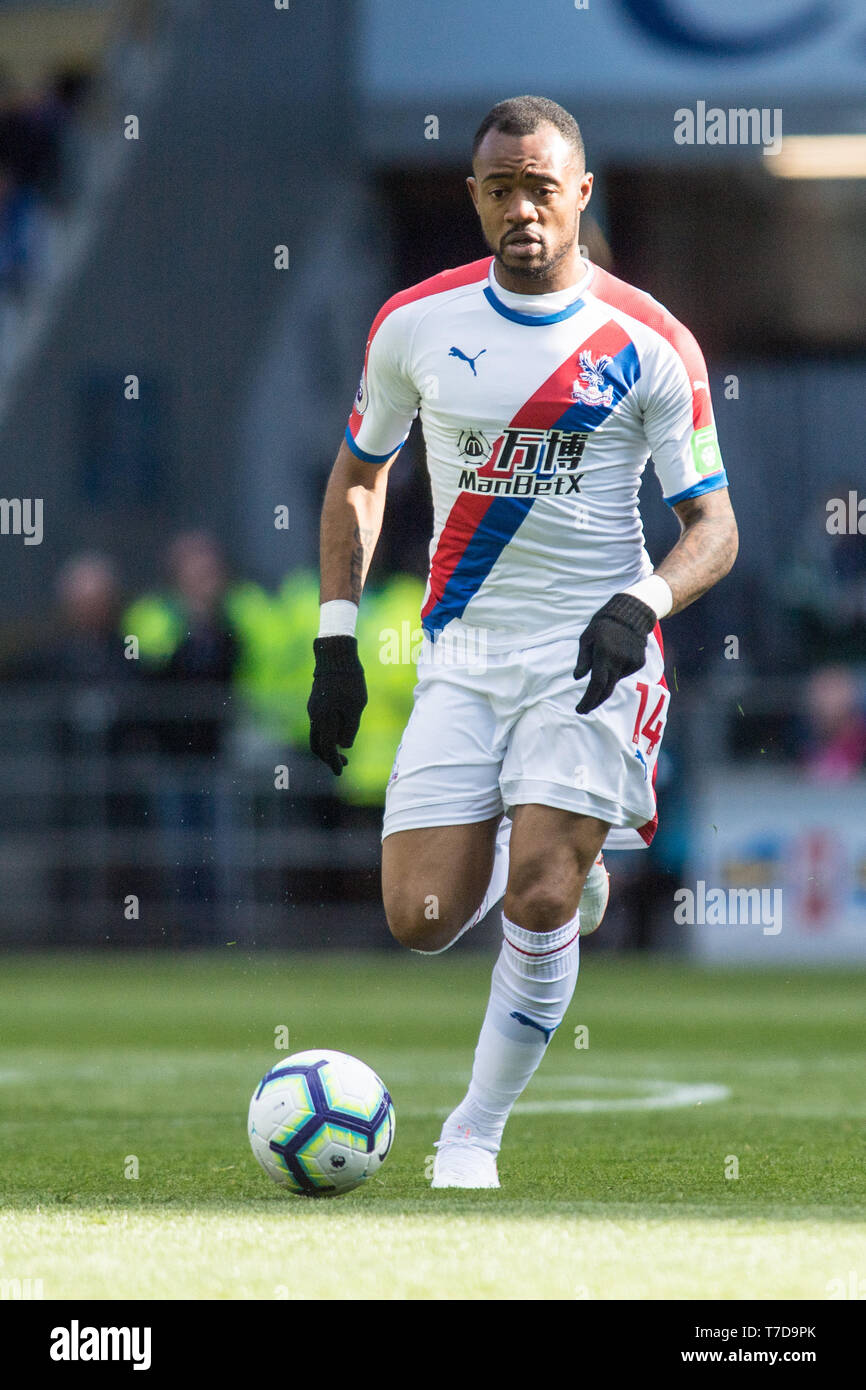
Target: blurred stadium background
175, 399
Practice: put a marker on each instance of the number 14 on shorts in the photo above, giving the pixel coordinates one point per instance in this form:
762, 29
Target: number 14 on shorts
652, 726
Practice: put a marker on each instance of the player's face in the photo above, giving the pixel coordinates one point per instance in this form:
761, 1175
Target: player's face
529, 191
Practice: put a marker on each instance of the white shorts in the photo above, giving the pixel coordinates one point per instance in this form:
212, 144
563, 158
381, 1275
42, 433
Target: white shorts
486, 736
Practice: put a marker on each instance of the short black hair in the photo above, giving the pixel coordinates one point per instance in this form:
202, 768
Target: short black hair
523, 115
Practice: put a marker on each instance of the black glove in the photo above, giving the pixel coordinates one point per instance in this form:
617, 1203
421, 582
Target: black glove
338, 697
612, 645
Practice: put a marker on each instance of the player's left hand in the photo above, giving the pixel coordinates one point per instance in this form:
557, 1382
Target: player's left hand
612, 645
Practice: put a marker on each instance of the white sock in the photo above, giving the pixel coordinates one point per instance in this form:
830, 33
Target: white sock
533, 981
495, 888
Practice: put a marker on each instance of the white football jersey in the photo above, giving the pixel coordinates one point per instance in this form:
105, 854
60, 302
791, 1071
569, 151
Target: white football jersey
539, 416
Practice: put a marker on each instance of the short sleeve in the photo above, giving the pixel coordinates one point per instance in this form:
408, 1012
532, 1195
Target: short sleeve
679, 424
387, 401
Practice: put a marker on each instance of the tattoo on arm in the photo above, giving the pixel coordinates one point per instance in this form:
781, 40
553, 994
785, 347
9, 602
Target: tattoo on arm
363, 541
702, 556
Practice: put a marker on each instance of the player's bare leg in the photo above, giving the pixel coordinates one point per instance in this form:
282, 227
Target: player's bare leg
435, 880
551, 853
596, 888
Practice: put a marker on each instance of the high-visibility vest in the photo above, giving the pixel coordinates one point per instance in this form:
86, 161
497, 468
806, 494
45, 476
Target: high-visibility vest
274, 674
275, 670
389, 633
156, 622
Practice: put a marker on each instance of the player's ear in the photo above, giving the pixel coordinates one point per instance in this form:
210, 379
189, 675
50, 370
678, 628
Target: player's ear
585, 190
472, 185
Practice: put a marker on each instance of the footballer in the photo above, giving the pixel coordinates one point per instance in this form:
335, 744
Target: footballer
543, 385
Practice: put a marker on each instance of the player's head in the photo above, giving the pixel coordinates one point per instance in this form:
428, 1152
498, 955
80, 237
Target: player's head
196, 565
89, 593
529, 186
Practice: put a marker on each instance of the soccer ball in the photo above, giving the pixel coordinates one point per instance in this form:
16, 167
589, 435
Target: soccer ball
321, 1123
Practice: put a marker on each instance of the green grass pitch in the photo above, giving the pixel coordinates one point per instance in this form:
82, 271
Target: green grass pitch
618, 1171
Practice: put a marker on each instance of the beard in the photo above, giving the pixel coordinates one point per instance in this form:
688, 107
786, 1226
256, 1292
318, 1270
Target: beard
538, 269
541, 267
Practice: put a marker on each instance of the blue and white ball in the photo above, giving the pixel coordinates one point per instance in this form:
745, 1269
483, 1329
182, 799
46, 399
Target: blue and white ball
321, 1123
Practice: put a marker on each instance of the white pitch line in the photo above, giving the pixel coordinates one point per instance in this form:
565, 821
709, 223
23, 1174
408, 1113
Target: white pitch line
674, 1097
658, 1095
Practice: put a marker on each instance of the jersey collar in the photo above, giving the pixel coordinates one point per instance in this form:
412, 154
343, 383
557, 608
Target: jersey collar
506, 303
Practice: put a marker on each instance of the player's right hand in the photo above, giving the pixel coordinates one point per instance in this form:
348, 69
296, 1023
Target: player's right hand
337, 700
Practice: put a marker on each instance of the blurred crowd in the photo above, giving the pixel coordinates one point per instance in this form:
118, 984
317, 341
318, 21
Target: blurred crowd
820, 599
823, 586
231, 645
170, 676
158, 724
202, 626
39, 168
44, 149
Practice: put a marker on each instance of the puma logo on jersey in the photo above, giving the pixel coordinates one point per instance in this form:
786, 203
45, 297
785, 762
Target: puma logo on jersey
456, 352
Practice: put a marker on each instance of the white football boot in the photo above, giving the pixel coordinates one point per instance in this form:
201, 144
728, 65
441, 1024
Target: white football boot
594, 898
460, 1163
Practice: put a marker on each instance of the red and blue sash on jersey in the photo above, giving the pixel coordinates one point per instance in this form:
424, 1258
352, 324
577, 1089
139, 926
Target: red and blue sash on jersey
480, 526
